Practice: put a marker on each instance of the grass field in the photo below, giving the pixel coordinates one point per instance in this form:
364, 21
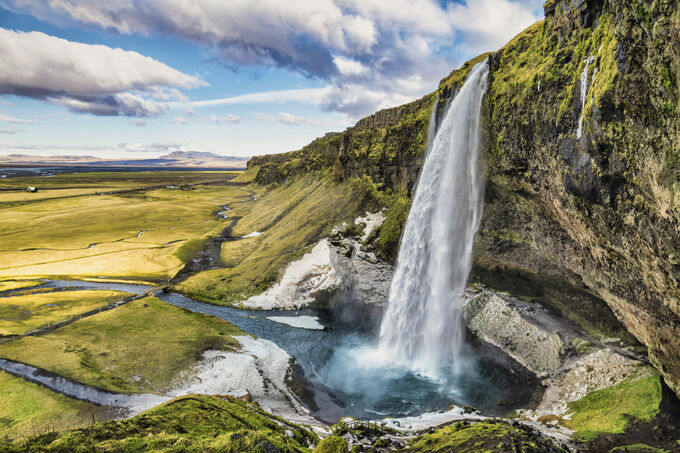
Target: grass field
9, 285
291, 217
23, 196
143, 346
133, 236
29, 409
21, 314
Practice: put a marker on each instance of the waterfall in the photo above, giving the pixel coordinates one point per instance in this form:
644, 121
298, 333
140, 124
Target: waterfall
422, 327
584, 92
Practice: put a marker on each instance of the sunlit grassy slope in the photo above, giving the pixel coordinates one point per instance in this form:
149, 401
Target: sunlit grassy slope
21, 314
291, 217
133, 235
612, 410
139, 347
29, 409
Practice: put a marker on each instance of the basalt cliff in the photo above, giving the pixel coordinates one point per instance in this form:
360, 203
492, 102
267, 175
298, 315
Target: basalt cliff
582, 164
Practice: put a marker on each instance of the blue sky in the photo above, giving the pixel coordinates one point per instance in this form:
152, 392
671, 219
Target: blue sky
143, 78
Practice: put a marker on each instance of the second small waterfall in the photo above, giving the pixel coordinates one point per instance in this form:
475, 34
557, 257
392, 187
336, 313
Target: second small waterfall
422, 327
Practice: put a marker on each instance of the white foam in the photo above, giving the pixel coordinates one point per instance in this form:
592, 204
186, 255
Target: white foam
430, 419
301, 322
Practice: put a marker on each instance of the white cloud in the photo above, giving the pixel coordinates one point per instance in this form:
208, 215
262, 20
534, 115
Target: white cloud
349, 67
220, 120
139, 123
86, 78
9, 119
308, 95
179, 120
384, 50
8, 131
295, 120
489, 24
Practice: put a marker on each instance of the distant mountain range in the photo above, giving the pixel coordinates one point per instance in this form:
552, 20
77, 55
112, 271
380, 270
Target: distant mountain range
174, 159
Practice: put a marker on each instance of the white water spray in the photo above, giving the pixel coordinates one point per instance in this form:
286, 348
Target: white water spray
584, 92
422, 327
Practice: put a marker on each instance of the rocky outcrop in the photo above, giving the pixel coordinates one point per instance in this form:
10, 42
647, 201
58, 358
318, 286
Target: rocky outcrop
335, 267
492, 319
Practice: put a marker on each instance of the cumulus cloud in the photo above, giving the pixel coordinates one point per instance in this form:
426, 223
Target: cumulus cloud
294, 120
370, 46
179, 120
122, 150
220, 120
86, 78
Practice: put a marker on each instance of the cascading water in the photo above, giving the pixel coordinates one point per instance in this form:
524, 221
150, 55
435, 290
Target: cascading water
422, 326
584, 92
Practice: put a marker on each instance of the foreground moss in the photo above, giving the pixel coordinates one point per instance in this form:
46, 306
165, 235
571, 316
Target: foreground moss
332, 444
193, 423
638, 448
487, 436
612, 410
143, 346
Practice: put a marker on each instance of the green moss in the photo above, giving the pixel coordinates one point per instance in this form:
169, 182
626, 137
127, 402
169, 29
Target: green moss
332, 444
638, 448
488, 436
580, 345
390, 232
610, 410
193, 423
507, 236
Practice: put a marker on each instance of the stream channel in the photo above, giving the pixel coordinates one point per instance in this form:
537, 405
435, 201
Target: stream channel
334, 374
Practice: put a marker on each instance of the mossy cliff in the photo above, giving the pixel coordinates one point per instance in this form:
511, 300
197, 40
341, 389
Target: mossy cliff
589, 224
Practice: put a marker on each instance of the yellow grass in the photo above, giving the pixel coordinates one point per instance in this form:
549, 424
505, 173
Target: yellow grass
9, 285
45, 194
95, 236
21, 314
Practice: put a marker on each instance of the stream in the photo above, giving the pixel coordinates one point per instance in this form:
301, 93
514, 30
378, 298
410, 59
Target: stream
331, 365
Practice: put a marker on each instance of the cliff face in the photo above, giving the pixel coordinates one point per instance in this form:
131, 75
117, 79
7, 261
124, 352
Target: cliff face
582, 206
